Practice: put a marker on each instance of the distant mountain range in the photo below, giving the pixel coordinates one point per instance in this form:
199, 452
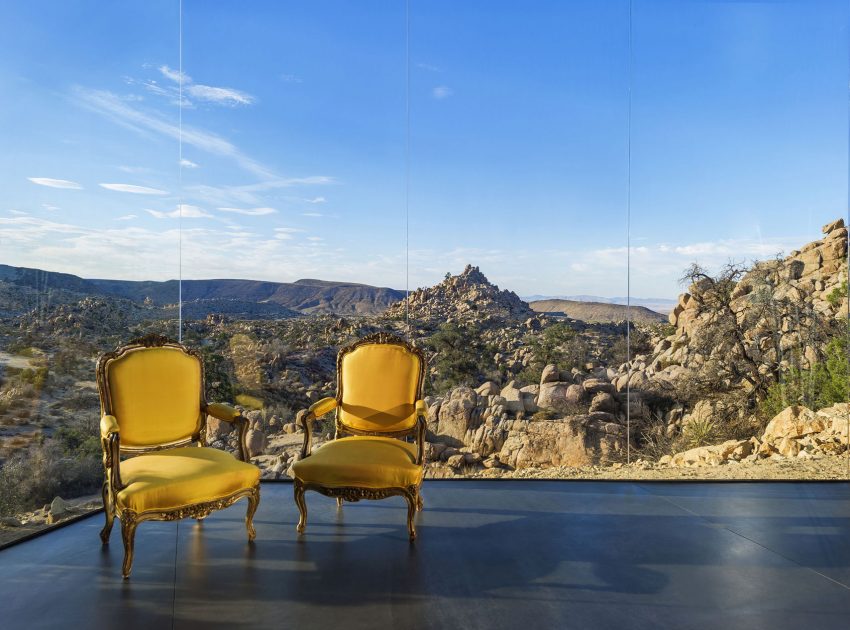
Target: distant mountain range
275, 299
598, 312
256, 299
660, 305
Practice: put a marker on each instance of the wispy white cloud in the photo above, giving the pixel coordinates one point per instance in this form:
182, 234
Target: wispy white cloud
442, 91
188, 163
252, 212
19, 213
316, 200
132, 188
251, 194
219, 95
315, 238
116, 109
206, 93
174, 75
50, 207
134, 169
55, 183
126, 217
285, 233
312, 214
185, 211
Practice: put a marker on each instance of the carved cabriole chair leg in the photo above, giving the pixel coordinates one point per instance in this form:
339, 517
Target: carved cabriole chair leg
410, 497
339, 502
420, 504
109, 512
253, 503
128, 533
302, 506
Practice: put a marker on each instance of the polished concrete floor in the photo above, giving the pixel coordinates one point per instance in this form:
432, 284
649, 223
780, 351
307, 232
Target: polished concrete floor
506, 554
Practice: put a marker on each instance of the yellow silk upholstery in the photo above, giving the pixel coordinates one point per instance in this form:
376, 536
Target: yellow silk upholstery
379, 383
361, 461
180, 477
155, 395
323, 406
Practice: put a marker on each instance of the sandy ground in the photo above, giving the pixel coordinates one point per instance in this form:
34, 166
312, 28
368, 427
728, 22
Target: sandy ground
823, 468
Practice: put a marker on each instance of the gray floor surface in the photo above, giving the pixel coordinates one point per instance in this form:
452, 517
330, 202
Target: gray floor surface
503, 554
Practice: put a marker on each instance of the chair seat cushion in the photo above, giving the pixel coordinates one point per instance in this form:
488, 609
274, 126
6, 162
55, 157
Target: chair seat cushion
361, 461
180, 477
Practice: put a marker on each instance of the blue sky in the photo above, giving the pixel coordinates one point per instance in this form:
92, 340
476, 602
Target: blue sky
294, 134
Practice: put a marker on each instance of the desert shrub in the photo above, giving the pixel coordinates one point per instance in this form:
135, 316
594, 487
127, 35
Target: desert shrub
37, 377
557, 344
217, 376
66, 362
33, 477
653, 442
459, 357
825, 384
701, 432
838, 294
545, 414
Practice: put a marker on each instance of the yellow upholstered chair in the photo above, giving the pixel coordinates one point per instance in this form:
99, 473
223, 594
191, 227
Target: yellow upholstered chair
153, 408
378, 404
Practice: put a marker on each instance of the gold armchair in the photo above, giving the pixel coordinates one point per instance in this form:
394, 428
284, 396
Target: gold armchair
153, 408
378, 401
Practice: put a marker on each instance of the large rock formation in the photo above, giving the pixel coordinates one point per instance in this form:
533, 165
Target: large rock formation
465, 296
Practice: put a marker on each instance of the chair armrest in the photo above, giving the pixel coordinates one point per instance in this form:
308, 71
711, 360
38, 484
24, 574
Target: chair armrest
323, 406
223, 412
233, 416
108, 426
110, 442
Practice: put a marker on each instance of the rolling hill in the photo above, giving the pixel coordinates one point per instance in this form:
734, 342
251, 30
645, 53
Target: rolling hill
597, 311
219, 295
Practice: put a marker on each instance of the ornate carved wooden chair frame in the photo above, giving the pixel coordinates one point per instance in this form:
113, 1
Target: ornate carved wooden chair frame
112, 451
412, 493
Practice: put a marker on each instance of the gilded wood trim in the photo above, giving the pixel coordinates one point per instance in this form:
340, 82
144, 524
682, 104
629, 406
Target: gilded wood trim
354, 494
130, 519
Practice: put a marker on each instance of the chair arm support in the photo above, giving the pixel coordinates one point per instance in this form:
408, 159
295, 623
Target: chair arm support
110, 442
323, 406
306, 417
421, 427
233, 416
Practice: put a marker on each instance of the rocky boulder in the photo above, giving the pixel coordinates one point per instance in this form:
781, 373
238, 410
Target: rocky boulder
567, 441
793, 422
457, 413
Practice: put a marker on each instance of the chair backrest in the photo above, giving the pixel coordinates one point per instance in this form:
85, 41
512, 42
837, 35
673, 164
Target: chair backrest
154, 388
380, 378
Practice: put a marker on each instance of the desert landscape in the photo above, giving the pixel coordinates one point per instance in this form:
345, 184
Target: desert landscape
747, 377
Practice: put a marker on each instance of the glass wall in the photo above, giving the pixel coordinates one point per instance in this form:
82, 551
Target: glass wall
294, 233
519, 129
89, 165
620, 224
738, 201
